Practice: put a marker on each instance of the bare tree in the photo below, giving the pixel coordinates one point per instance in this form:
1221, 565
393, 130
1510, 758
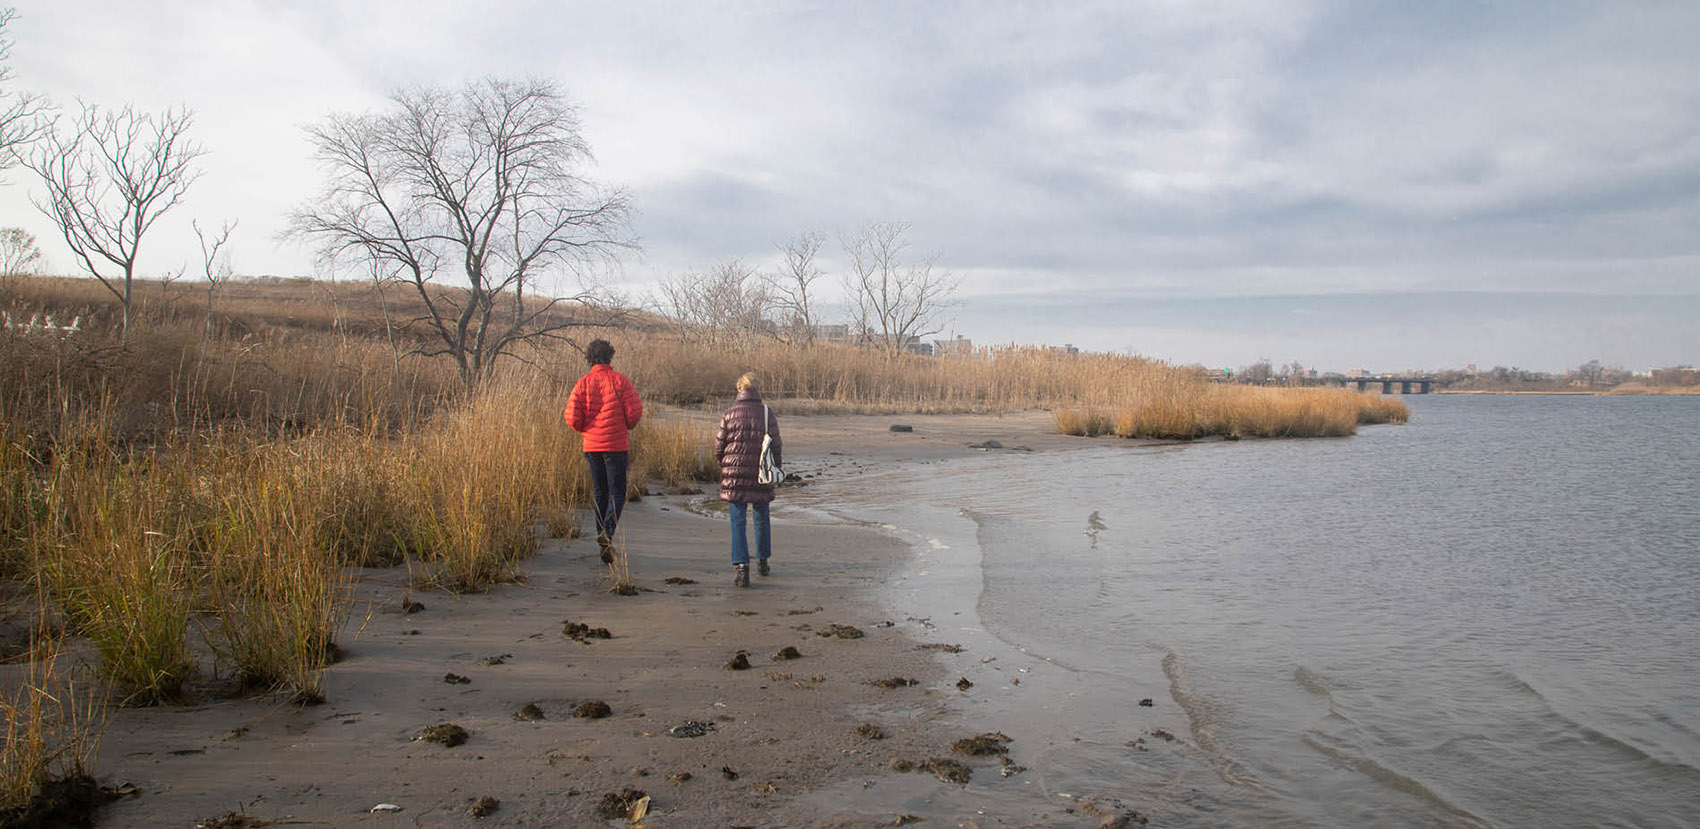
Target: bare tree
19, 254
792, 288
481, 183
20, 125
109, 181
726, 305
215, 262
893, 301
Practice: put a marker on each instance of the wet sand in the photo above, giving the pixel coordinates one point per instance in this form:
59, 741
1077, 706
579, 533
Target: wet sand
778, 730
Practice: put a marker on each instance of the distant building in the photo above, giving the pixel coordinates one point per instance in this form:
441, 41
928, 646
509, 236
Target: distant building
1357, 372
1066, 349
959, 347
915, 346
833, 333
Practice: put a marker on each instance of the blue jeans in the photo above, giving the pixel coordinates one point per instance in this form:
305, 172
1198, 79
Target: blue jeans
608, 485
764, 533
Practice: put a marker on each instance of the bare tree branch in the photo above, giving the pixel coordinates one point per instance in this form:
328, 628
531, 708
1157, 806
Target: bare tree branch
792, 288
20, 112
214, 267
109, 181
480, 182
893, 302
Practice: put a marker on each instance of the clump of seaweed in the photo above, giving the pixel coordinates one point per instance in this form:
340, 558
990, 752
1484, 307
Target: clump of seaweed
592, 710
583, 633
982, 745
447, 734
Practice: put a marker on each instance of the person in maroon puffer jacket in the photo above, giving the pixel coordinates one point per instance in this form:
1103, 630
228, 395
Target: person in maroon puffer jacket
737, 446
603, 407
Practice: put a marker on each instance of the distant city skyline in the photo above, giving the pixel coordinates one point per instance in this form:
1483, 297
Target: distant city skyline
1378, 185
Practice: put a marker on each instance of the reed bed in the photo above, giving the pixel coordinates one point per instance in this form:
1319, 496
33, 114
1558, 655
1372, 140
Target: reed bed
200, 495
1193, 411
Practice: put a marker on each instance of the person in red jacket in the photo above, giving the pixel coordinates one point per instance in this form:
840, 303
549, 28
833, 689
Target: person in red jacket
737, 447
604, 405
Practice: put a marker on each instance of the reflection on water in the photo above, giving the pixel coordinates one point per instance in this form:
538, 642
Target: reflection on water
1490, 616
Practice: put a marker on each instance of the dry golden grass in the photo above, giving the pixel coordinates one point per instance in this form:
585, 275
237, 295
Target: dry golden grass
53, 718
231, 475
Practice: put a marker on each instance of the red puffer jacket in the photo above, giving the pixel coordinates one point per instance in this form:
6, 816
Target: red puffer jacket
604, 404
737, 446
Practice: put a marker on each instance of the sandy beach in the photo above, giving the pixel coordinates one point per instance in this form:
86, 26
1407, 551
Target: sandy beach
842, 711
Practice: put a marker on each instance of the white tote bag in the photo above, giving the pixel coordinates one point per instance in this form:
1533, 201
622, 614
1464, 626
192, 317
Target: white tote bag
768, 471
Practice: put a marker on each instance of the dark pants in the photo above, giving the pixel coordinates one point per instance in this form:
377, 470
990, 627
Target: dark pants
608, 483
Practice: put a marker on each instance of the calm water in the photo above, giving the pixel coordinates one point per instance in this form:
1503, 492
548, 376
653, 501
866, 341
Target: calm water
1490, 616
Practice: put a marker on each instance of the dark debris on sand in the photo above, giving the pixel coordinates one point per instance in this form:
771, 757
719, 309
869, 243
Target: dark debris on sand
894, 682
229, 820
447, 734
982, 745
840, 631
592, 710
740, 661
529, 712
679, 580
787, 652
483, 807
615, 805
948, 770
583, 633
456, 679
870, 731
69, 801
964, 684
938, 646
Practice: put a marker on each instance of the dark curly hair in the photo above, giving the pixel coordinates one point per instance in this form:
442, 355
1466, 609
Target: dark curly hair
599, 352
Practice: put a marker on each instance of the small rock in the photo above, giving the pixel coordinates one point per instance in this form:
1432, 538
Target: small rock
680, 777
963, 684
529, 712
384, 807
870, 731
1146, 703
990, 444
456, 679
740, 662
788, 652
410, 607
897, 427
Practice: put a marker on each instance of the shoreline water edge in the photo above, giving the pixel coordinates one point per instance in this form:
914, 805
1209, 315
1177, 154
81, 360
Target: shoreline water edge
833, 693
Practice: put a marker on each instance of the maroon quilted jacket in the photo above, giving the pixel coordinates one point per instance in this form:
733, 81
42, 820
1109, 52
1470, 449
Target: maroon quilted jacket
737, 446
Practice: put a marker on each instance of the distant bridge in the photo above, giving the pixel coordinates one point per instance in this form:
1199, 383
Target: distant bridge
1423, 385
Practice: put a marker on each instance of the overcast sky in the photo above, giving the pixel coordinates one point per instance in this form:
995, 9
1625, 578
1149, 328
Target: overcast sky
1382, 185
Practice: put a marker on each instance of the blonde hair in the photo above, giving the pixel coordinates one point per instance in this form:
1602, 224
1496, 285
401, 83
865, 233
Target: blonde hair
748, 381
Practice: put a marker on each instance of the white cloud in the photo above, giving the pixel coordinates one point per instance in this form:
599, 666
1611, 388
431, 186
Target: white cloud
1162, 148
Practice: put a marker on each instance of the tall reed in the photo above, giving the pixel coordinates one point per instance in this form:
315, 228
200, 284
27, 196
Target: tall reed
53, 717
